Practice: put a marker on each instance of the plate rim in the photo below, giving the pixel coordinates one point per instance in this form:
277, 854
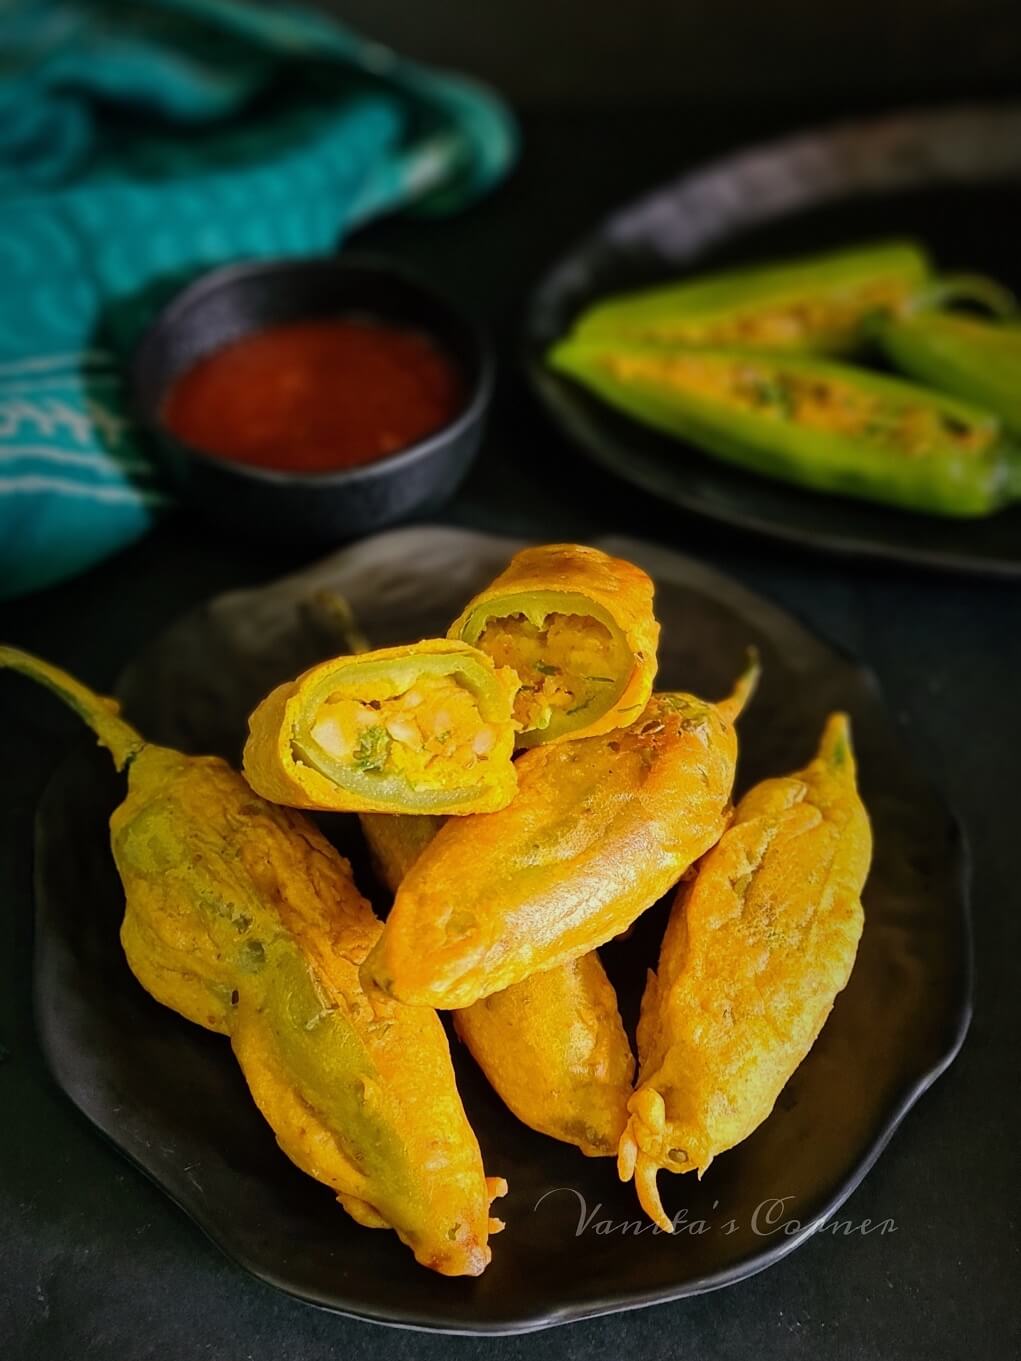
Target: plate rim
518, 1322
547, 386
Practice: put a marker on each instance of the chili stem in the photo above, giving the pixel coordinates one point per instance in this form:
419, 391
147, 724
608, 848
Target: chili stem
101, 714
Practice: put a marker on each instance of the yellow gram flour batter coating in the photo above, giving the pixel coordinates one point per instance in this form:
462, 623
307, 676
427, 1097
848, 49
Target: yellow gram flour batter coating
553, 1046
757, 948
420, 729
599, 829
243, 918
577, 627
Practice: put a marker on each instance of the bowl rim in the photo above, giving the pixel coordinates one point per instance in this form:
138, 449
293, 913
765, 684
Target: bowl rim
225, 276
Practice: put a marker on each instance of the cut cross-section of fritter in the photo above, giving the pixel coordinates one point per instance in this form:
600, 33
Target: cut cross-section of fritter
577, 627
599, 829
424, 729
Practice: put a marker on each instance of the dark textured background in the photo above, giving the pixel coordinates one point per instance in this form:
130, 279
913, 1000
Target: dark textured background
93, 1261
580, 52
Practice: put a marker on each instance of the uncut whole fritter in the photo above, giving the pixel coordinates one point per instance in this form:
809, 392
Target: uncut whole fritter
425, 728
576, 626
555, 1050
553, 1046
599, 829
757, 948
242, 917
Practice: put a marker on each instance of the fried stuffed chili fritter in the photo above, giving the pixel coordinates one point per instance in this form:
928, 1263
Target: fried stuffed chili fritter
420, 729
243, 918
553, 1046
577, 628
758, 946
599, 829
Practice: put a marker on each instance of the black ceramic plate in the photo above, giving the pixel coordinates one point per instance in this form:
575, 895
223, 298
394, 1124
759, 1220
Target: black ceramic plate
171, 1098
951, 179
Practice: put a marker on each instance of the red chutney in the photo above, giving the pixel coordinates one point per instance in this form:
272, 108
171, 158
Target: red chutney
315, 396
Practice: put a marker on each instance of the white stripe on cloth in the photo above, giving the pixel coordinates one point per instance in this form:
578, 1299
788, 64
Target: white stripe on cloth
41, 362
89, 490
97, 462
48, 382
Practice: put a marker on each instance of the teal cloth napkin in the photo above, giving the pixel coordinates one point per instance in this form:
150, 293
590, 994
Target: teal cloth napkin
141, 144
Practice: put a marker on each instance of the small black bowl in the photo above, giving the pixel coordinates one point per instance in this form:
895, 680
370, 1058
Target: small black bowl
313, 509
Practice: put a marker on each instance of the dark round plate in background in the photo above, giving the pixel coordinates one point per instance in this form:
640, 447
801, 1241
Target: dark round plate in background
951, 179
171, 1098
